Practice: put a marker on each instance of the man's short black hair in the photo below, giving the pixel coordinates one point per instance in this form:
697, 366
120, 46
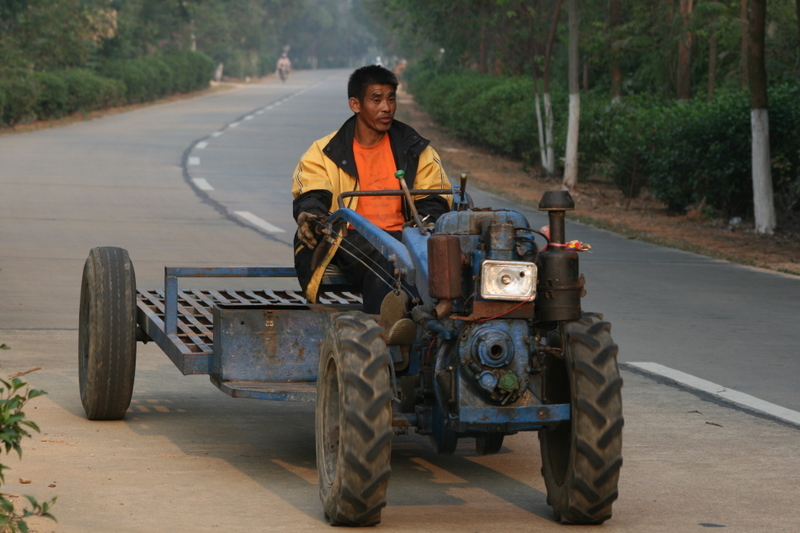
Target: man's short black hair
366, 76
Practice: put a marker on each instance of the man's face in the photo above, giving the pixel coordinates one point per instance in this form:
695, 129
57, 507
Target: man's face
376, 111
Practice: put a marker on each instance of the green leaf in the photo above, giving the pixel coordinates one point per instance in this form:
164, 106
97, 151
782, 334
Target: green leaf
31, 424
32, 501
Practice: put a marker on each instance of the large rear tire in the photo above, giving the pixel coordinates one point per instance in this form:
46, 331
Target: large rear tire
107, 334
581, 458
353, 421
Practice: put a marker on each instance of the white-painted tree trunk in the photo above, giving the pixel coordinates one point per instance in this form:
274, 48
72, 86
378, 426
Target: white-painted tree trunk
550, 169
570, 180
542, 151
571, 161
763, 201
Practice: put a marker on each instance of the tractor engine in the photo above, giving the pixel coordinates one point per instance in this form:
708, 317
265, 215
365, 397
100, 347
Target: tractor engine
498, 297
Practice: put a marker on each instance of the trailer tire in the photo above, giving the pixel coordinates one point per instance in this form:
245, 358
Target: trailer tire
353, 420
107, 334
488, 443
581, 458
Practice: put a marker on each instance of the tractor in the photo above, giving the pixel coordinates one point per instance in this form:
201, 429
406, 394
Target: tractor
481, 335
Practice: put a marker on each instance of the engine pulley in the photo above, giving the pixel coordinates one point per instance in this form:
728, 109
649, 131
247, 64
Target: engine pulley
490, 345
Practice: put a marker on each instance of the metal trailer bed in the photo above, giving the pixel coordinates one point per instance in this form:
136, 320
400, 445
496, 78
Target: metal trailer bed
253, 343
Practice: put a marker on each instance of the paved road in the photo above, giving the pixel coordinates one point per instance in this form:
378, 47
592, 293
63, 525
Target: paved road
181, 183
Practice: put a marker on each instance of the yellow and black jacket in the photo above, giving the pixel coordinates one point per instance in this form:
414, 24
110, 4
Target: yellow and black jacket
328, 169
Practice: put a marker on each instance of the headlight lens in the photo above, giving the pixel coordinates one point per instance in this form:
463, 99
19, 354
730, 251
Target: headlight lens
508, 280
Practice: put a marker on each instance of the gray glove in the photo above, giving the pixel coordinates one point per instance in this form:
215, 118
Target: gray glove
308, 227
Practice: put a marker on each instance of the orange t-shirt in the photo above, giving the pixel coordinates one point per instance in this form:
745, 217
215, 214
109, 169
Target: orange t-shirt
376, 168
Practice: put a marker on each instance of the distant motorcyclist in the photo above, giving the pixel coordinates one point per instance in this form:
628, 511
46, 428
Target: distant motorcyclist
284, 66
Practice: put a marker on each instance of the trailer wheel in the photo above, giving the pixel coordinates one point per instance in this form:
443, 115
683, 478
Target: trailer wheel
353, 420
581, 458
107, 334
488, 443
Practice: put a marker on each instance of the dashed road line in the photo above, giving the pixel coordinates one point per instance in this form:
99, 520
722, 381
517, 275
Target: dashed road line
259, 222
720, 391
202, 184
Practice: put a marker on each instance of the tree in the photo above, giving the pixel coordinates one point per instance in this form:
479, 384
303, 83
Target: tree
797, 13
615, 20
51, 34
763, 202
546, 140
571, 165
684, 82
743, 23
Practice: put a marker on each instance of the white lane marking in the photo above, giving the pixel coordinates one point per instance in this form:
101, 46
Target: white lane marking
249, 117
718, 390
201, 145
216, 134
259, 222
260, 112
202, 184
194, 161
233, 124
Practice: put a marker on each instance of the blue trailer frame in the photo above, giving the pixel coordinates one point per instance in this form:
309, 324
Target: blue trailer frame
254, 343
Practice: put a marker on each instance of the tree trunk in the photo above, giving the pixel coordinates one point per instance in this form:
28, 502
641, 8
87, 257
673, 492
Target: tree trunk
571, 160
684, 83
743, 23
797, 9
763, 202
585, 83
615, 19
550, 168
537, 105
534, 50
712, 59
542, 147
548, 135
482, 49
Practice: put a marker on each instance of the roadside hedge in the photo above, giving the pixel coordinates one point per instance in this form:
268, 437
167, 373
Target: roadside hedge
27, 96
696, 152
21, 91
88, 91
686, 153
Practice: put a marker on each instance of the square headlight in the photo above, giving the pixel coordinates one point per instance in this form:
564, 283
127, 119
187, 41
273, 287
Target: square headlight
508, 280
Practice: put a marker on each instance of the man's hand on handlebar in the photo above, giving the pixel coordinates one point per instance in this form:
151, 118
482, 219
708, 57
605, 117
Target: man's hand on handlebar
309, 226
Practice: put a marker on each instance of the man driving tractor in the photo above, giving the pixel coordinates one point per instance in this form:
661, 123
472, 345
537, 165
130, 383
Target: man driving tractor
363, 155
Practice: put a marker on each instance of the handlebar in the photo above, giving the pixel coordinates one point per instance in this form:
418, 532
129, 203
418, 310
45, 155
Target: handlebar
414, 192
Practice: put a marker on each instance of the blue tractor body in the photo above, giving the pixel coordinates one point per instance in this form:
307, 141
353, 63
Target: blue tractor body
492, 341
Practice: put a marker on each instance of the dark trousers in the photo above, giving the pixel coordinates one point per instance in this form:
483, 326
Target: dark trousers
374, 281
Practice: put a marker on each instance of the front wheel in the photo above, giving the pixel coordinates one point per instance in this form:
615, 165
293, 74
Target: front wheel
353, 420
581, 458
